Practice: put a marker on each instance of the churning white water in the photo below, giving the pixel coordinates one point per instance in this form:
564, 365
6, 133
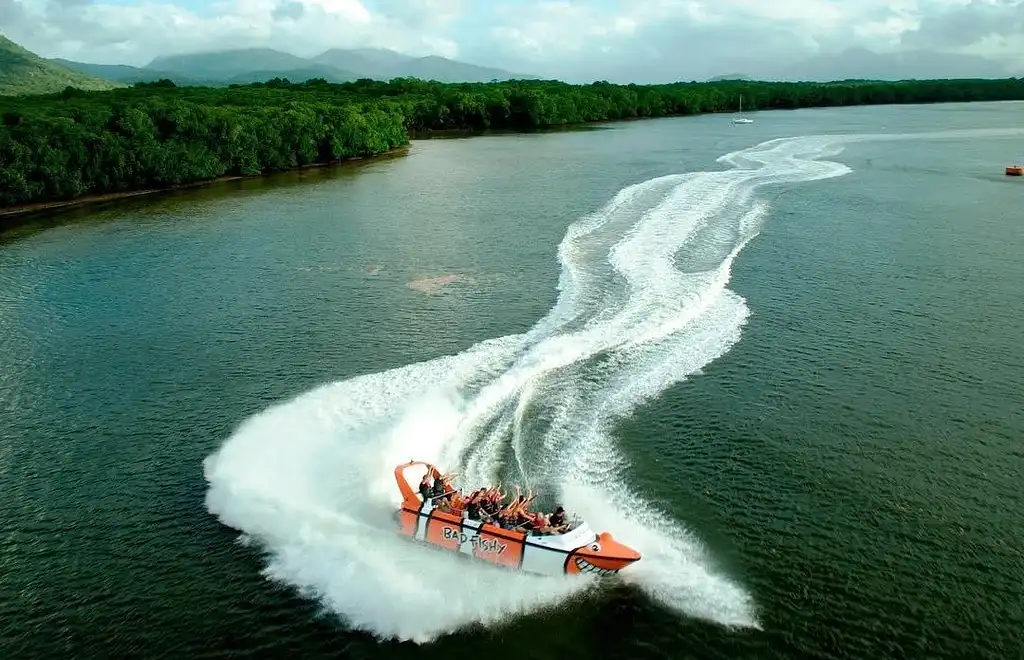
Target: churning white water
643, 286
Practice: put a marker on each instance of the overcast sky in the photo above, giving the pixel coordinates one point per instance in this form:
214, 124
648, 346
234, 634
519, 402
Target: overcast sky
642, 40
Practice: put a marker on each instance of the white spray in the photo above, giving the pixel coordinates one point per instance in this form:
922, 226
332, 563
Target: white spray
311, 480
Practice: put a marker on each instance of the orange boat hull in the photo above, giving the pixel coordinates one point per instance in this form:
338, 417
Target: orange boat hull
1015, 170
577, 551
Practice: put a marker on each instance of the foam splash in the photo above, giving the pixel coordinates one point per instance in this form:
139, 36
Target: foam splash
643, 304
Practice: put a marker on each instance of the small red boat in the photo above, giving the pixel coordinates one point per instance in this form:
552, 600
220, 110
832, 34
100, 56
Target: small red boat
576, 550
1015, 170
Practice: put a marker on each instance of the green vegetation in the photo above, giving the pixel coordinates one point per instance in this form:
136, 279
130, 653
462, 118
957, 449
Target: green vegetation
23, 72
61, 146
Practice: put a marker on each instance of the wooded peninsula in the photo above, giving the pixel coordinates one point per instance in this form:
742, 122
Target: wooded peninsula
155, 135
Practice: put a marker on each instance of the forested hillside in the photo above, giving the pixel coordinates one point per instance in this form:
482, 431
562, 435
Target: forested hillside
61, 146
24, 72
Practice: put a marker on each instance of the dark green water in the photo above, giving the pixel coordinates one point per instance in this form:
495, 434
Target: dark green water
824, 462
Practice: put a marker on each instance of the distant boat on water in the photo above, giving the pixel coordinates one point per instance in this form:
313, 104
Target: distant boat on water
741, 119
1015, 170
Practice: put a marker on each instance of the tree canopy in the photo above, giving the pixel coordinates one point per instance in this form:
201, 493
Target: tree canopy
62, 146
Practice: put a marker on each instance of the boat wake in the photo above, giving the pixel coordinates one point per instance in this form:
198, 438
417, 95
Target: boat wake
643, 304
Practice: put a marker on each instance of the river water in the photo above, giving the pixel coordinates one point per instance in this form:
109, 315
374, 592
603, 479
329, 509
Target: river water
782, 360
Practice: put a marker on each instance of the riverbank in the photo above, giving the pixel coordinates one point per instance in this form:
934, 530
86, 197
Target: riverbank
14, 216
68, 150
38, 207
445, 133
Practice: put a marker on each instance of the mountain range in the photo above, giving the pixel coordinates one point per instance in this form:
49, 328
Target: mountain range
261, 64
24, 72
864, 64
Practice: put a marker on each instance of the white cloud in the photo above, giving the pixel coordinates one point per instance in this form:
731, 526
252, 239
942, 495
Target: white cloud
692, 39
107, 32
553, 29
641, 40
430, 14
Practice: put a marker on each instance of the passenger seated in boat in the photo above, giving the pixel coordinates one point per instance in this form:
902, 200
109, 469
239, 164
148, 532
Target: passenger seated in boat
540, 524
516, 513
443, 486
557, 521
522, 525
488, 511
521, 501
474, 504
502, 520
457, 501
510, 510
517, 520
495, 495
426, 489
490, 503
487, 503
438, 489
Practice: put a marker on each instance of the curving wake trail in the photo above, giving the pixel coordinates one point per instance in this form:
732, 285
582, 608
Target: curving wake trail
643, 303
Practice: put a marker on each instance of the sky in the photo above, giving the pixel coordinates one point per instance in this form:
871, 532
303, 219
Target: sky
576, 40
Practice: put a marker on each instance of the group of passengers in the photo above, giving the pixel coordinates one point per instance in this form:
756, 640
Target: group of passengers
487, 505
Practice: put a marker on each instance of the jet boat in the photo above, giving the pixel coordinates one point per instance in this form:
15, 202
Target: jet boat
577, 550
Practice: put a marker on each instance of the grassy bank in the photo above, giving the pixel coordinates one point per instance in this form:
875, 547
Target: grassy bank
84, 145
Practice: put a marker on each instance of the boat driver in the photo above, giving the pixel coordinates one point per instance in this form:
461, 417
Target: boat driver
557, 520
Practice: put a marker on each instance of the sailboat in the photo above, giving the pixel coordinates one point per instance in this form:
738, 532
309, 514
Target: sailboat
741, 119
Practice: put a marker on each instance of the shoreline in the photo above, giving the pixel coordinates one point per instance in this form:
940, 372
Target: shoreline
452, 133
12, 216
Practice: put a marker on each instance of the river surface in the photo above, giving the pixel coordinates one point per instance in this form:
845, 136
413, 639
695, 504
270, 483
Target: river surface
782, 360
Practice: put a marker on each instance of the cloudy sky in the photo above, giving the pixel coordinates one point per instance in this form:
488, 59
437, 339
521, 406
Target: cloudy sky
642, 40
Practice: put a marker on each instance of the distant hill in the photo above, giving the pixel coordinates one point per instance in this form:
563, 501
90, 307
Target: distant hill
376, 63
24, 72
216, 69
328, 73
123, 73
445, 70
227, 62
864, 64
730, 76
242, 66
245, 65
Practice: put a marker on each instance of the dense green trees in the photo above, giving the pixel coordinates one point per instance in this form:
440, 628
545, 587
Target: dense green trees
61, 146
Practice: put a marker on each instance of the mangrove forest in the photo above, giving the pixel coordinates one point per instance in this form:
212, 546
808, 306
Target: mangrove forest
155, 135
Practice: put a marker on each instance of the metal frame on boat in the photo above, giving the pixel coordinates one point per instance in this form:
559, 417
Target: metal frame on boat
578, 550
